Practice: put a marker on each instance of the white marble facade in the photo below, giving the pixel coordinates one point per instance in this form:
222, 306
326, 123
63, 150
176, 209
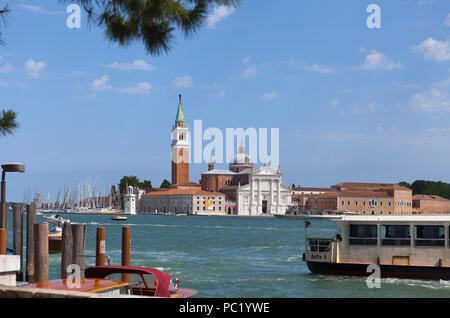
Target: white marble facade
264, 194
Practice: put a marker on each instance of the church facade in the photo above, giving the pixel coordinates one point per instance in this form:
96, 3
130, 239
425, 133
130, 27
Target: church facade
264, 194
254, 191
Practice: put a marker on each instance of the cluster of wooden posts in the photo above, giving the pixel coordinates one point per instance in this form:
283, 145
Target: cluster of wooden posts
73, 246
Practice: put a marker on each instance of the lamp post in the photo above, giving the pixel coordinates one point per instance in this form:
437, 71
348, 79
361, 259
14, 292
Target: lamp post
7, 167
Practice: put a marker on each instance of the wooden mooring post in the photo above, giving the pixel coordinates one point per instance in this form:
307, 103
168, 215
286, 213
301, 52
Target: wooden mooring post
40, 252
100, 249
3, 241
31, 221
18, 236
126, 250
79, 240
66, 249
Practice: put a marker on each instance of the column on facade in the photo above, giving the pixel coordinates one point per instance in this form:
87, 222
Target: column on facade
271, 194
278, 195
259, 195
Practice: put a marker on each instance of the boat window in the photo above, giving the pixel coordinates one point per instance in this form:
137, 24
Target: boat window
429, 235
363, 234
396, 235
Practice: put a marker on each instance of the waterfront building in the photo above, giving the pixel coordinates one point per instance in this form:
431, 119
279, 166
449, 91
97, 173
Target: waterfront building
131, 199
190, 201
363, 198
430, 204
264, 194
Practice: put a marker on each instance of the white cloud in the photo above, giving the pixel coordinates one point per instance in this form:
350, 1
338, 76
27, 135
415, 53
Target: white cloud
433, 101
447, 21
33, 68
101, 84
378, 61
268, 96
380, 129
219, 13
5, 67
334, 103
140, 88
312, 68
320, 69
38, 9
246, 60
183, 81
250, 71
137, 65
435, 50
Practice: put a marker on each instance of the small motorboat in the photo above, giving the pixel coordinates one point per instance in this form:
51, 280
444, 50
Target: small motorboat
115, 281
55, 234
119, 218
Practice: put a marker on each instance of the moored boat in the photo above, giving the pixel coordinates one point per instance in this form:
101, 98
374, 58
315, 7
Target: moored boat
119, 281
119, 218
403, 246
55, 234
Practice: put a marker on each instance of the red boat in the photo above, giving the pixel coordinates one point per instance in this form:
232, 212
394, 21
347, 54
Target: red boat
122, 280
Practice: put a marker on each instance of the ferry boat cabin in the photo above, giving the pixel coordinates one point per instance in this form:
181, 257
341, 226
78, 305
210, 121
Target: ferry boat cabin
413, 246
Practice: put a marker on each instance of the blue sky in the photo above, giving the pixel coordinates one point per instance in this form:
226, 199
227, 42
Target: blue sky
351, 103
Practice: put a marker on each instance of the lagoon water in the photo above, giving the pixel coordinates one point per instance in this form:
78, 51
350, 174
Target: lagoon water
234, 256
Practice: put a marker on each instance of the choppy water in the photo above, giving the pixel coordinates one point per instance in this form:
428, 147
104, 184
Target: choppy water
235, 256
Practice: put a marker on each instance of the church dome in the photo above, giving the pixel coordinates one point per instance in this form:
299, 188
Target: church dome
241, 161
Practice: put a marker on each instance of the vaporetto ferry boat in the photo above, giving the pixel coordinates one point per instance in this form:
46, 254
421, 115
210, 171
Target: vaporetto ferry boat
404, 246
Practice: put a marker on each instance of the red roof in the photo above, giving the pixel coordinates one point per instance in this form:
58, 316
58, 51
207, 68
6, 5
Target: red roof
181, 191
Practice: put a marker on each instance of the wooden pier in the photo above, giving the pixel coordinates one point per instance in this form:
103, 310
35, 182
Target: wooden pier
37, 254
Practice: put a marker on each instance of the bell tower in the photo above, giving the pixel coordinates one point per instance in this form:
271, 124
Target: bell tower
180, 148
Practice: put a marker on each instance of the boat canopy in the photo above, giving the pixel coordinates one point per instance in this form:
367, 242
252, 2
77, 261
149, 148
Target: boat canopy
162, 290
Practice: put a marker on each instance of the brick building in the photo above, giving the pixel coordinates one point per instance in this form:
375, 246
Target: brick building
430, 204
363, 198
189, 201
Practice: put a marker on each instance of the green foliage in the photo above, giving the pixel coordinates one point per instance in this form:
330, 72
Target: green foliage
145, 184
3, 13
431, 187
134, 182
405, 184
8, 123
151, 21
165, 184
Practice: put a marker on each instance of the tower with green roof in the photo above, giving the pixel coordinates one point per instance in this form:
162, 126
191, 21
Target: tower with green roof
180, 148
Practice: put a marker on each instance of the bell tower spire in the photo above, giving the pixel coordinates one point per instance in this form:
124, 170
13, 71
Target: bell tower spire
180, 148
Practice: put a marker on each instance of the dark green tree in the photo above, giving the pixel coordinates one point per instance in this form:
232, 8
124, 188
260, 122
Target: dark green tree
145, 184
431, 187
8, 122
153, 22
404, 184
165, 184
128, 181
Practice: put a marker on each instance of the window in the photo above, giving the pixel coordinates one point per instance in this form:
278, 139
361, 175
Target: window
363, 234
429, 235
396, 235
